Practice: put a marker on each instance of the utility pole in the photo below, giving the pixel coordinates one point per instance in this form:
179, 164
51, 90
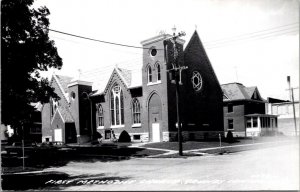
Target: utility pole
177, 73
23, 148
291, 90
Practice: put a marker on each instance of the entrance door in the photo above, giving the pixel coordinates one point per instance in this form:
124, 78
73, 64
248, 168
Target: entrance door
154, 115
155, 132
58, 135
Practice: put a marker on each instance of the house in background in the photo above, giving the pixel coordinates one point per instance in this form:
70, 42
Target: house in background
244, 112
32, 130
140, 103
284, 111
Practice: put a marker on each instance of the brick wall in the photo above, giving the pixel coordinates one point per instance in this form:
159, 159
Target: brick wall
128, 118
160, 89
238, 118
46, 121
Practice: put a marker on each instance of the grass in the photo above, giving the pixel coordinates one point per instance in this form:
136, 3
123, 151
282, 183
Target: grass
18, 169
44, 159
192, 145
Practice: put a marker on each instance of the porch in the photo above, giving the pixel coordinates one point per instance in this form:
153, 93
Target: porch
261, 124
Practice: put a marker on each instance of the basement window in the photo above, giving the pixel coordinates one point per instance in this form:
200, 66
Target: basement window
136, 137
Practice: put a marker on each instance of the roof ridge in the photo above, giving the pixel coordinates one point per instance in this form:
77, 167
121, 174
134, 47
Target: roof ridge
243, 91
61, 88
67, 110
120, 72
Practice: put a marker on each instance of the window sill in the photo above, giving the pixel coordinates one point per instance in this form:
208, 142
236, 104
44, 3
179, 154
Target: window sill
153, 83
136, 125
100, 127
117, 126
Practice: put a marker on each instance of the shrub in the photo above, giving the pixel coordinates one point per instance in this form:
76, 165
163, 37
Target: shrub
124, 137
229, 137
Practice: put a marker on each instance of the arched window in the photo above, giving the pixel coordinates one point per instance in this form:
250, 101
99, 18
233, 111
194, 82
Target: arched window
100, 115
158, 72
116, 106
53, 107
136, 111
149, 74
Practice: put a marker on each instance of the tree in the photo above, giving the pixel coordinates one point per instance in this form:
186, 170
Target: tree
25, 51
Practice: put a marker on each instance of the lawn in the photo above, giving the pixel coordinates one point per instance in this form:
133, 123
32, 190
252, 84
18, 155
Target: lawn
191, 145
41, 159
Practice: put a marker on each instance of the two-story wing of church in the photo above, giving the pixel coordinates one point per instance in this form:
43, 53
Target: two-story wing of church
141, 104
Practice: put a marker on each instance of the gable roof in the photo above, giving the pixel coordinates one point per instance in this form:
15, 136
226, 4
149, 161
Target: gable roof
65, 114
237, 91
195, 42
100, 77
125, 74
62, 82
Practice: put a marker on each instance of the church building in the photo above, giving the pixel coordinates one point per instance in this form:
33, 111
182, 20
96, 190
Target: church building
141, 104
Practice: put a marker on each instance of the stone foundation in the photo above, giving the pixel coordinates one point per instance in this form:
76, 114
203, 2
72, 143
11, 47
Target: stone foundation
237, 134
144, 137
45, 137
192, 135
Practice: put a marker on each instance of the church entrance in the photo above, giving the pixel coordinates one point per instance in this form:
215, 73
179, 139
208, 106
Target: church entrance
154, 113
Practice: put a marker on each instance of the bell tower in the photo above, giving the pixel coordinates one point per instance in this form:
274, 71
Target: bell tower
156, 82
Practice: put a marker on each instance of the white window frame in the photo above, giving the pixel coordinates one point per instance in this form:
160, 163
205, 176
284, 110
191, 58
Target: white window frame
136, 111
117, 93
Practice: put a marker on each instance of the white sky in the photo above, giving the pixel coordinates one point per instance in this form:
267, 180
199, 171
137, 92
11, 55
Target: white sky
259, 47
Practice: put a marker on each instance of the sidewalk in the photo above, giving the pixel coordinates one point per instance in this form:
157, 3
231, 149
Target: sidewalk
204, 151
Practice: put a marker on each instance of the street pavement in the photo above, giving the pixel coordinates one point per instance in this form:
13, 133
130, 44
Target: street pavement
272, 168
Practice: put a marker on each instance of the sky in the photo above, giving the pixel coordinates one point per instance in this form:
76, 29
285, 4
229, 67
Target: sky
253, 42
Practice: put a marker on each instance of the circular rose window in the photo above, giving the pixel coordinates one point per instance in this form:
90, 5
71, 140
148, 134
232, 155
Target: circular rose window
197, 81
153, 52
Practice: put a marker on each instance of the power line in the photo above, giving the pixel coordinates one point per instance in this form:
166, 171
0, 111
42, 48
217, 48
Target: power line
92, 39
131, 46
279, 32
237, 41
261, 31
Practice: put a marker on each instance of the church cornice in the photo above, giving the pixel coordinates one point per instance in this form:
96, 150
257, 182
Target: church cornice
160, 38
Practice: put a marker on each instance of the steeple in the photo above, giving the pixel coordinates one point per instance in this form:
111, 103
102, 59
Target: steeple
195, 49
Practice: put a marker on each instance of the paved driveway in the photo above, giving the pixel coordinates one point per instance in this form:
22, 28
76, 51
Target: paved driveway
275, 168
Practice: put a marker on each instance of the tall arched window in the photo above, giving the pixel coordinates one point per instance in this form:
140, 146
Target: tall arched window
149, 74
117, 106
158, 72
53, 106
100, 115
136, 111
